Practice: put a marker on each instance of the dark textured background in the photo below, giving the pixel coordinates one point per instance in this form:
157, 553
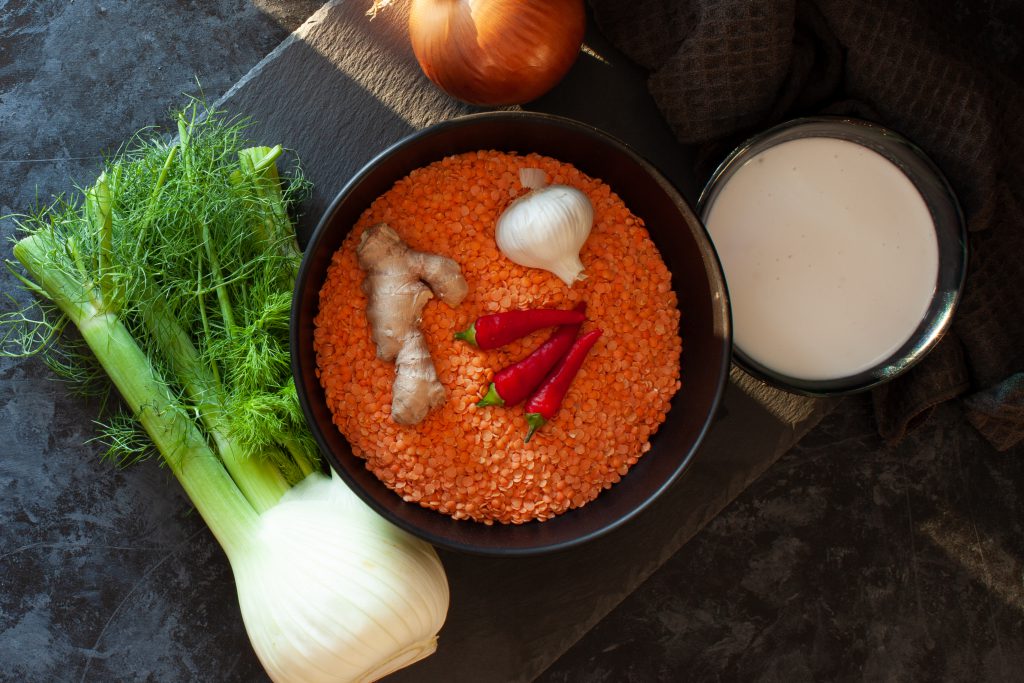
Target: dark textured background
849, 559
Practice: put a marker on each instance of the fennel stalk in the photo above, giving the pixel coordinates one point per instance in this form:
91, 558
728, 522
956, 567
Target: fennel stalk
177, 270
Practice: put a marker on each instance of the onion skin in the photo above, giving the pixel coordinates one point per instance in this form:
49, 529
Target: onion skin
496, 52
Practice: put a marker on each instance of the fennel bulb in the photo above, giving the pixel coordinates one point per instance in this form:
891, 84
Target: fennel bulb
330, 591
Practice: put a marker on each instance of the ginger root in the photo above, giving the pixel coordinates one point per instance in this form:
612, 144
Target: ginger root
394, 286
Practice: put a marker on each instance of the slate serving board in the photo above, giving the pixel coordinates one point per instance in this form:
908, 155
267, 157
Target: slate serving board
338, 92
107, 575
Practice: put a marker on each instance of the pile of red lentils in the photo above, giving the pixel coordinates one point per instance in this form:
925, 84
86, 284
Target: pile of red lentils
470, 462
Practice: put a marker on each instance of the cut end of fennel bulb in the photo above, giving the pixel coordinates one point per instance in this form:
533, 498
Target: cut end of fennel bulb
400, 660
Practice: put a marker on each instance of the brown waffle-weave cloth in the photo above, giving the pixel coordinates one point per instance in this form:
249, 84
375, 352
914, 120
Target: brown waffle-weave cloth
948, 74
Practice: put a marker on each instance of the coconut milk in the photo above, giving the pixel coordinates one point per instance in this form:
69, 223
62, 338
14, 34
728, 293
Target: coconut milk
830, 256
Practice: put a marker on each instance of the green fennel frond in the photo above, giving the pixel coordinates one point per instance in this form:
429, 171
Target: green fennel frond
124, 441
26, 330
188, 244
70, 359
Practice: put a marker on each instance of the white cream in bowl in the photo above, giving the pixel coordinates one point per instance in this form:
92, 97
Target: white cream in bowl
830, 255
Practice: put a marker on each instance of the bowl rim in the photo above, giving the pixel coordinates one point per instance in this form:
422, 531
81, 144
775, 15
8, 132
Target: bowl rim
949, 285
721, 315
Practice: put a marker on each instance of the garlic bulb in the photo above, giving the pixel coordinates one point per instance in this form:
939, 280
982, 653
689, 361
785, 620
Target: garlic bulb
330, 591
546, 228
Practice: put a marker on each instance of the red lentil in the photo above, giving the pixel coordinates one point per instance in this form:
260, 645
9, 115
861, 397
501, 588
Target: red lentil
469, 462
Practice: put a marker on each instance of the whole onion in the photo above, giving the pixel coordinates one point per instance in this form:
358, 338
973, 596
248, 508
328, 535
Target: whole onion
496, 52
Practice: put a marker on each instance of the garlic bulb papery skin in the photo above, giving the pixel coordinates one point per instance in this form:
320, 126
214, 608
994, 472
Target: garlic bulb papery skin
546, 228
330, 591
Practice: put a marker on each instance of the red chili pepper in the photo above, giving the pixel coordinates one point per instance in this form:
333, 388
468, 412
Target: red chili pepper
513, 385
545, 403
498, 329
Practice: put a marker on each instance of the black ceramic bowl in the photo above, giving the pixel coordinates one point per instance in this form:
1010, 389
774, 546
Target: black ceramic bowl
697, 279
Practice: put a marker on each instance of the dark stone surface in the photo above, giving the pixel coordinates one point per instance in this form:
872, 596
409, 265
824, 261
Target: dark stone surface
848, 560
77, 78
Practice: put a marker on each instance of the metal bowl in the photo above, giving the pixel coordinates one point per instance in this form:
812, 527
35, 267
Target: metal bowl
950, 233
697, 279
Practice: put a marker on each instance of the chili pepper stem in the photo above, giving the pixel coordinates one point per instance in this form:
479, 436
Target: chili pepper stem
547, 400
491, 398
536, 421
467, 335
